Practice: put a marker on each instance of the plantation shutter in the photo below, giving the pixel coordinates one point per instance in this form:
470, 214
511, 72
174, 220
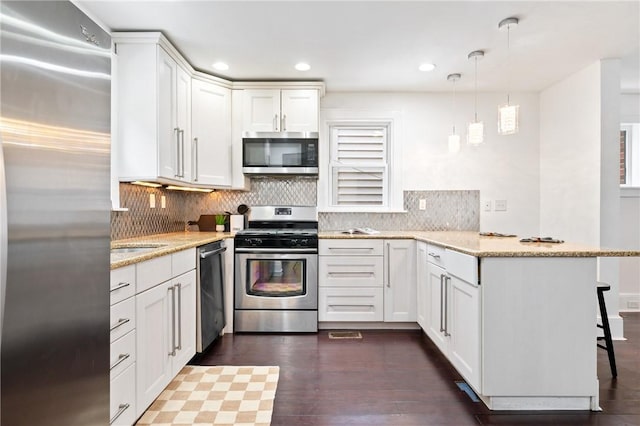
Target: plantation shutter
359, 165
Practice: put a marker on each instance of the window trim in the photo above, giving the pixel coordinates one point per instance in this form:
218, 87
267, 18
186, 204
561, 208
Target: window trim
344, 117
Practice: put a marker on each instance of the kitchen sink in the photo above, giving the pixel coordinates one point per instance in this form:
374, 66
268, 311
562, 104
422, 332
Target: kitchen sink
136, 249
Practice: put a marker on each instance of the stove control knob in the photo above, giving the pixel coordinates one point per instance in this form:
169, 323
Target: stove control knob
304, 242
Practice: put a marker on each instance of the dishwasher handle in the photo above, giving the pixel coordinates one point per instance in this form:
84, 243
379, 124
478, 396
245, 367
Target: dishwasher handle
205, 254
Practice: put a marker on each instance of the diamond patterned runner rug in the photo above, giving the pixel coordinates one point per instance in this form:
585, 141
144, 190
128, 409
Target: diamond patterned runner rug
223, 395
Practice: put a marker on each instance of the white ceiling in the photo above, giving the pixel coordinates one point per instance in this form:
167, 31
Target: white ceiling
378, 45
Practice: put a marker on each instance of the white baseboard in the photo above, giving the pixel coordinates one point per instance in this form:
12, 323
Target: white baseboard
629, 302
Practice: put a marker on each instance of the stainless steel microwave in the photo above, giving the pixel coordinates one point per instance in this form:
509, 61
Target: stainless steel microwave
280, 153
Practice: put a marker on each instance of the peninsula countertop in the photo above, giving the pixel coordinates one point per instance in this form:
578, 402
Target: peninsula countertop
467, 242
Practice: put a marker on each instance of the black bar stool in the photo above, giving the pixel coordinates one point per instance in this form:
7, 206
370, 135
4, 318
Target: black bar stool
602, 287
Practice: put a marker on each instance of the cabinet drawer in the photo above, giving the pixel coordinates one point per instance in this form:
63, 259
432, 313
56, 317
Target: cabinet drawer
436, 254
123, 318
122, 354
350, 304
350, 271
122, 398
361, 247
462, 266
153, 272
123, 283
183, 261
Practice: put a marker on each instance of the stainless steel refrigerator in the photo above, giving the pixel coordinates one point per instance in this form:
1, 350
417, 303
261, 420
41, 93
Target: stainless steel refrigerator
54, 215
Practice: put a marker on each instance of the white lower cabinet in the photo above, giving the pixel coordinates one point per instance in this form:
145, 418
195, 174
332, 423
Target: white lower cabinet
153, 333
166, 334
400, 281
366, 280
452, 309
421, 284
122, 351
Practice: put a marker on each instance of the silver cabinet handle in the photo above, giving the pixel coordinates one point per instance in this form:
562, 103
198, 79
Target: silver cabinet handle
195, 163
351, 248
275, 122
177, 130
441, 303
204, 255
388, 265
121, 359
179, 286
181, 131
173, 321
446, 305
351, 274
119, 286
435, 256
121, 409
121, 321
284, 123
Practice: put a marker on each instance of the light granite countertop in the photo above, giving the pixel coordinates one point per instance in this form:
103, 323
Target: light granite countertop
465, 242
474, 244
164, 244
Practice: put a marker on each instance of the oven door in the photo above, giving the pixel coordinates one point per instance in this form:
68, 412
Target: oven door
276, 280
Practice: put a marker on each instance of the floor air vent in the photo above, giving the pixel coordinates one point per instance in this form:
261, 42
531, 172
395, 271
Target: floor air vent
345, 335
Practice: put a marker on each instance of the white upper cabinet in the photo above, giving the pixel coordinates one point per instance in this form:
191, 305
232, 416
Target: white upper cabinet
280, 110
211, 134
153, 108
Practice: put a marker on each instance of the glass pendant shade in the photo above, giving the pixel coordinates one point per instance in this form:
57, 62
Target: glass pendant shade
475, 133
508, 119
454, 144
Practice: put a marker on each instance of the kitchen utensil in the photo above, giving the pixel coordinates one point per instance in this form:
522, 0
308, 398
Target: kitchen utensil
541, 240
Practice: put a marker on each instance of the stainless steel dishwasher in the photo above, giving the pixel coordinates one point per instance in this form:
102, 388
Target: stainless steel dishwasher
210, 294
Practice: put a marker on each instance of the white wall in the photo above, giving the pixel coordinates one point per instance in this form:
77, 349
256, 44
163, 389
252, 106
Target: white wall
579, 166
504, 167
630, 219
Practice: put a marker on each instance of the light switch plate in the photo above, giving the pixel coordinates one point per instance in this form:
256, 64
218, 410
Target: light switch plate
152, 201
487, 205
422, 204
501, 205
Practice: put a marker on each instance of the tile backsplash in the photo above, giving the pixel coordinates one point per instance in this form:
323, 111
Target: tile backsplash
445, 210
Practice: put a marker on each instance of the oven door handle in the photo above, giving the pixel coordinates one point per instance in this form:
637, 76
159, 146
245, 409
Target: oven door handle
206, 254
276, 250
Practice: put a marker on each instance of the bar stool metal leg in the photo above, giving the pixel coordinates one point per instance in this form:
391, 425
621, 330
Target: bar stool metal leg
606, 329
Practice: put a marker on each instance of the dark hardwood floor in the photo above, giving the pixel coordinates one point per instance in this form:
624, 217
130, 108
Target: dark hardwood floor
400, 378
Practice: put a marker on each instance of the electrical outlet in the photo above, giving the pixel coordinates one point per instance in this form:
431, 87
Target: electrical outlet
501, 205
163, 202
152, 201
422, 204
487, 205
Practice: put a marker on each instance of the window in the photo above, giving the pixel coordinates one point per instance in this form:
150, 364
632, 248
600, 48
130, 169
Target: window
360, 162
358, 165
630, 154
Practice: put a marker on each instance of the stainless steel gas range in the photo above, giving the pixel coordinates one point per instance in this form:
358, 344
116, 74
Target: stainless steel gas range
276, 271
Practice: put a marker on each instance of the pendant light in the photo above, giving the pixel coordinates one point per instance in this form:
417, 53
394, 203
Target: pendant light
475, 131
507, 113
454, 139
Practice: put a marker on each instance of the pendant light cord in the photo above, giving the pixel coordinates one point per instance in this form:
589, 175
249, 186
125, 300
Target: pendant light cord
453, 109
475, 90
508, 65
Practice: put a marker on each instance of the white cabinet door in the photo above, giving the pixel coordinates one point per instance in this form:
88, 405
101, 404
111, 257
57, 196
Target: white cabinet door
435, 306
183, 121
153, 370
185, 317
463, 327
169, 165
422, 284
211, 132
299, 110
400, 281
261, 112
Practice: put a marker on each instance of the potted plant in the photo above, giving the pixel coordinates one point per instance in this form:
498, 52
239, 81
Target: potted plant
220, 220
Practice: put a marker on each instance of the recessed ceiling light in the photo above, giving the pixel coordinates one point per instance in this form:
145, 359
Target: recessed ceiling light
427, 67
220, 66
303, 66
